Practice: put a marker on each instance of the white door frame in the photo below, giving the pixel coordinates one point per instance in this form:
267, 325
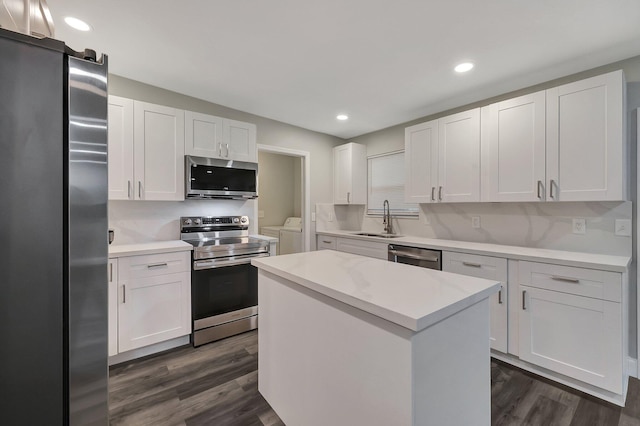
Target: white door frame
306, 187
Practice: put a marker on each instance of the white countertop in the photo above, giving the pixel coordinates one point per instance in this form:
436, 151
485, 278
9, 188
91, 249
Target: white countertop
558, 257
122, 250
414, 298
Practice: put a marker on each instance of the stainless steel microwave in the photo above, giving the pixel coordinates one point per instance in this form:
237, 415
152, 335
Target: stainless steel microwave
215, 178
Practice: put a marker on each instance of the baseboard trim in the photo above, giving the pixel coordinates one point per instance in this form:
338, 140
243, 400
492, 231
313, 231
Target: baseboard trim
149, 350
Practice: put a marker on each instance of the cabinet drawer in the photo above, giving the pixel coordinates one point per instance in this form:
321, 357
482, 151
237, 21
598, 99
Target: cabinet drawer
363, 248
491, 268
566, 279
153, 265
326, 243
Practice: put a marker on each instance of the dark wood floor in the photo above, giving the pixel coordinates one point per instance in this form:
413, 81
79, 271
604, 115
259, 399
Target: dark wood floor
216, 384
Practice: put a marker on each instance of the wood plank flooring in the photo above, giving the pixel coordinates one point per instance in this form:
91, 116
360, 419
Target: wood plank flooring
216, 384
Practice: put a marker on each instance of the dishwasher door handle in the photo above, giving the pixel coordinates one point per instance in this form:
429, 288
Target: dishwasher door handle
397, 254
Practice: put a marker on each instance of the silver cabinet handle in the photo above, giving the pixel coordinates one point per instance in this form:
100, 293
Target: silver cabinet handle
565, 279
551, 184
440, 193
500, 296
140, 189
129, 189
473, 265
539, 189
348, 197
397, 254
111, 272
433, 193
157, 265
227, 146
124, 293
326, 242
219, 150
524, 300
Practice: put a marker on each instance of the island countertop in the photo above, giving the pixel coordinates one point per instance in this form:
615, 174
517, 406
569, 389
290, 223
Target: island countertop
409, 296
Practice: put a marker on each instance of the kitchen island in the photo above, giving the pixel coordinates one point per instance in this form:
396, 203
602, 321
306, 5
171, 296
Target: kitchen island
349, 340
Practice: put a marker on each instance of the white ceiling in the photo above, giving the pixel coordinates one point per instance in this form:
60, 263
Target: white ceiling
382, 62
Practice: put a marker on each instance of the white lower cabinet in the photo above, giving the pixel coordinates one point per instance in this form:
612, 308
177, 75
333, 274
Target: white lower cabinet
571, 322
153, 299
492, 268
112, 271
325, 242
363, 248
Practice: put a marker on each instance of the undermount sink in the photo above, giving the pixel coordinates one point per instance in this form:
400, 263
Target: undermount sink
370, 234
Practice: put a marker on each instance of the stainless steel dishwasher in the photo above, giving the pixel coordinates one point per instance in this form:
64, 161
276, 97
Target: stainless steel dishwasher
424, 258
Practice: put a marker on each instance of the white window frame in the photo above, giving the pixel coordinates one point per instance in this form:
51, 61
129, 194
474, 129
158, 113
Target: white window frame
411, 212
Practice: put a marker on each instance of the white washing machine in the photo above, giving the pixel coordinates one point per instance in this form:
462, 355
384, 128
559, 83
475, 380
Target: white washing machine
289, 235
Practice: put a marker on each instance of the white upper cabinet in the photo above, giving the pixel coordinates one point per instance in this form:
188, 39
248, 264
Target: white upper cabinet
120, 148
586, 140
203, 135
215, 137
158, 152
421, 162
240, 141
350, 174
442, 159
459, 157
513, 149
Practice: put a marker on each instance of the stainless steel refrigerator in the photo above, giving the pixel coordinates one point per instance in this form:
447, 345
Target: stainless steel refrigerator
53, 234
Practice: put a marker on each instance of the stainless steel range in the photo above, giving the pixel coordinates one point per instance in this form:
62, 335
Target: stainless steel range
224, 285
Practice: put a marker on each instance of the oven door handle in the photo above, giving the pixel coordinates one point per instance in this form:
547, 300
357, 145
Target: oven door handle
225, 261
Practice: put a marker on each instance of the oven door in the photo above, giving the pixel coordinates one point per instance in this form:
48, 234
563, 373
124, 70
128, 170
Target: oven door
223, 294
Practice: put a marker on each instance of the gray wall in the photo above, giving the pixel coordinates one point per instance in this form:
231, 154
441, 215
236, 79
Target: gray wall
277, 187
127, 216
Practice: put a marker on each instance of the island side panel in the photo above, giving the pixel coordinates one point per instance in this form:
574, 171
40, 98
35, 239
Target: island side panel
323, 362
452, 369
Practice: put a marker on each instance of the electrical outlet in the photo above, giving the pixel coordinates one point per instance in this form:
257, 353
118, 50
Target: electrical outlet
426, 220
260, 213
313, 216
475, 221
330, 219
579, 226
623, 227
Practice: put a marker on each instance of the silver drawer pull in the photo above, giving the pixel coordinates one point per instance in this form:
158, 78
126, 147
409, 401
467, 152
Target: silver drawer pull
157, 265
473, 265
566, 279
500, 296
326, 242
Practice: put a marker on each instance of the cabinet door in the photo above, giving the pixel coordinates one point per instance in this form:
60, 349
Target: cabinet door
492, 268
513, 149
586, 139
240, 141
112, 276
153, 309
459, 157
159, 152
325, 242
580, 337
421, 162
350, 174
203, 135
120, 148
363, 248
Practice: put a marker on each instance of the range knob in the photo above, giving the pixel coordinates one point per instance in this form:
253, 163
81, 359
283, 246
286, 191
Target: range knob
197, 221
187, 222
243, 219
236, 220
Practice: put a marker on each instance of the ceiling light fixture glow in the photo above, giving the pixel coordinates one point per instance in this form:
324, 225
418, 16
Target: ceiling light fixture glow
77, 24
342, 117
464, 67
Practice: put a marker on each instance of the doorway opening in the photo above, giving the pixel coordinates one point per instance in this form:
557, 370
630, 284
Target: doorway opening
284, 202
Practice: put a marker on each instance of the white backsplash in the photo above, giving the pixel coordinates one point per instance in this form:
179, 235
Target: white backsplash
147, 221
540, 225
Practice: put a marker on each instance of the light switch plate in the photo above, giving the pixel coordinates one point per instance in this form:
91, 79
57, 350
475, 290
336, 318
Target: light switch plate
260, 213
313, 216
623, 227
579, 226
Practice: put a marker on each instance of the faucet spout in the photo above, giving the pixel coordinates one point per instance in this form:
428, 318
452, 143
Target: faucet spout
386, 217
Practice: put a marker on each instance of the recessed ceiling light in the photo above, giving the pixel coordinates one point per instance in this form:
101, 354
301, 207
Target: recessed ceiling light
464, 67
77, 23
342, 117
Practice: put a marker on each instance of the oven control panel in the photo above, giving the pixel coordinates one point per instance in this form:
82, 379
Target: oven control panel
213, 222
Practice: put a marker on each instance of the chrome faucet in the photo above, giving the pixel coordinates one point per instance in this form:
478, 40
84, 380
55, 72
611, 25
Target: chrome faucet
386, 217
